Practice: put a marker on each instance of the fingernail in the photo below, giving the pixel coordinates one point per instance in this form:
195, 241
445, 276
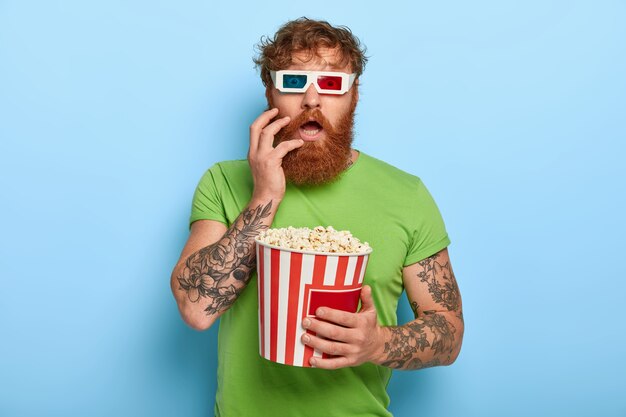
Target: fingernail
320, 312
313, 362
306, 338
306, 323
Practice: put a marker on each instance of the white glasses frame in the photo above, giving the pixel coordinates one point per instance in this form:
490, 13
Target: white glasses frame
346, 81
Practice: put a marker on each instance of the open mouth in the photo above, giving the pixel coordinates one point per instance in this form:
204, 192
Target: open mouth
310, 130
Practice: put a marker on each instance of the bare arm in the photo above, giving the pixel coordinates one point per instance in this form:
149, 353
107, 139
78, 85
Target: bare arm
208, 281
434, 338
216, 264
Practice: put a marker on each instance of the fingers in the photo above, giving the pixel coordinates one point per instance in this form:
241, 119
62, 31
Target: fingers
340, 317
264, 160
332, 363
287, 146
257, 126
330, 347
354, 338
367, 302
328, 330
266, 139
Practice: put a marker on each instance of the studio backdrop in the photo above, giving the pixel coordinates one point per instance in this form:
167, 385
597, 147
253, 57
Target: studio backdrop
512, 114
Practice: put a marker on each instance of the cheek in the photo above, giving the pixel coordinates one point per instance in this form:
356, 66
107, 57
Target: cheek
288, 105
340, 109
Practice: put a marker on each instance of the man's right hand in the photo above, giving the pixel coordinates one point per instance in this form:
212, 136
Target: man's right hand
265, 160
217, 263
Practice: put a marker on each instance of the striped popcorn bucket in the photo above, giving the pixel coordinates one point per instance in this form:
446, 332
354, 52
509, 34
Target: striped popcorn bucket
292, 285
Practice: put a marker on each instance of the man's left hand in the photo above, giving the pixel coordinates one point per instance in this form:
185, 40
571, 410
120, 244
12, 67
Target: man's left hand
353, 338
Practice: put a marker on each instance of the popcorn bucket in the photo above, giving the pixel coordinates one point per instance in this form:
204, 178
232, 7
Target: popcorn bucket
292, 285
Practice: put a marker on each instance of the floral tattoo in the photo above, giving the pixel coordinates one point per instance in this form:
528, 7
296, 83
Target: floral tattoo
432, 338
407, 340
441, 282
221, 271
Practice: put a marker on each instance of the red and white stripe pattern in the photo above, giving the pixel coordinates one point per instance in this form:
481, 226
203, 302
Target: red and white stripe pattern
291, 286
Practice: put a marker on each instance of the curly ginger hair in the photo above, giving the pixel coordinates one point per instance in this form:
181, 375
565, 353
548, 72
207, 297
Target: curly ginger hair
308, 35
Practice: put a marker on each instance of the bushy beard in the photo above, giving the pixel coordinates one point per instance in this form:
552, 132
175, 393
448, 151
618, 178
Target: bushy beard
321, 161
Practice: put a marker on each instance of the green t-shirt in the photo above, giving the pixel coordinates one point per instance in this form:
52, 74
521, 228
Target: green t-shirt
378, 203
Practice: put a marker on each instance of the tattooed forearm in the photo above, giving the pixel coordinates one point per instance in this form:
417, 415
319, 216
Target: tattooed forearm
434, 338
221, 271
416, 363
441, 282
422, 343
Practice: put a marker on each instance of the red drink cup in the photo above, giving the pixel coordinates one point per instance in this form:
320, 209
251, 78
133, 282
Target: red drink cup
292, 285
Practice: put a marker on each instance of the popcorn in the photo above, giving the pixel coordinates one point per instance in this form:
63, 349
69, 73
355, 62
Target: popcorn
319, 239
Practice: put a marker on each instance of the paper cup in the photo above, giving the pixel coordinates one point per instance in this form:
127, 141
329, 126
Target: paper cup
292, 285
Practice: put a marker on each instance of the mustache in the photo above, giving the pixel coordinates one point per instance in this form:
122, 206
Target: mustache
302, 118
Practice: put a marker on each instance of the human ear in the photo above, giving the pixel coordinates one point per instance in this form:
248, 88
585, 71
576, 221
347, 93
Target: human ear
268, 96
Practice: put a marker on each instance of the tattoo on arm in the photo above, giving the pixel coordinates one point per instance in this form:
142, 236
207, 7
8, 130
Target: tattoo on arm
407, 340
441, 282
431, 333
221, 271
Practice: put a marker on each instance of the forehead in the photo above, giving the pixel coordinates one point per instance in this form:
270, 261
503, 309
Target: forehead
322, 59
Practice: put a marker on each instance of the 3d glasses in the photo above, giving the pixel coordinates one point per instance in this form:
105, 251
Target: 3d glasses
325, 82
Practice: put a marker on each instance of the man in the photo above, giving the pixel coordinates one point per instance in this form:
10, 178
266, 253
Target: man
302, 171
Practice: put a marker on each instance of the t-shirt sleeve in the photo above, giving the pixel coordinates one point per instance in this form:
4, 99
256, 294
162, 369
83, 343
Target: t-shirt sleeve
428, 232
207, 202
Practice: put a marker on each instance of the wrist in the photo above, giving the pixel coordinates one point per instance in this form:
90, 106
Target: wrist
382, 338
264, 198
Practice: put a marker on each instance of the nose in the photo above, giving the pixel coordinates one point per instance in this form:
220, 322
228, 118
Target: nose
311, 98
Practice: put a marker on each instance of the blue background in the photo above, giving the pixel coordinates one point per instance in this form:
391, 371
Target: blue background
512, 113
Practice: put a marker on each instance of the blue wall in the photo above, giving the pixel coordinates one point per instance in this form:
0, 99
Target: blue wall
511, 112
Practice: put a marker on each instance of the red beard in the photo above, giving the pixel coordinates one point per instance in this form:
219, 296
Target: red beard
322, 161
